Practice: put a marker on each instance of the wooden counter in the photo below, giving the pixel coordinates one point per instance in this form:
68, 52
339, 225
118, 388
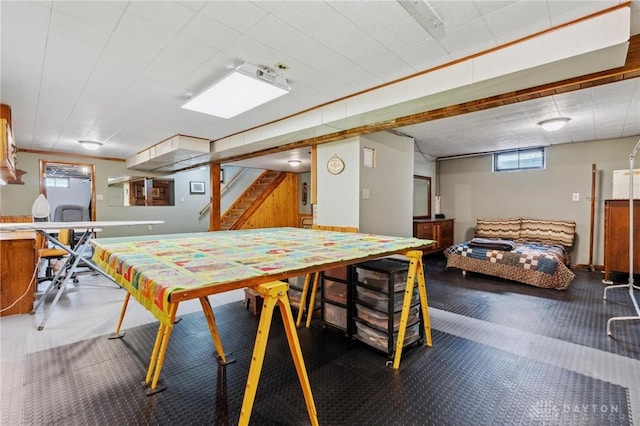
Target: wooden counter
17, 266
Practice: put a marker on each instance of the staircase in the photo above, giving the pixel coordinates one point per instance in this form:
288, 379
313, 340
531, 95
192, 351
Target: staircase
250, 200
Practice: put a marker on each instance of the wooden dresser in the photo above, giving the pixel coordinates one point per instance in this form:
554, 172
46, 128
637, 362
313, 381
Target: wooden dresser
440, 230
616, 236
17, 266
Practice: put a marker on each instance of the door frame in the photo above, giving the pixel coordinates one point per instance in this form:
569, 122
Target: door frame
90, 166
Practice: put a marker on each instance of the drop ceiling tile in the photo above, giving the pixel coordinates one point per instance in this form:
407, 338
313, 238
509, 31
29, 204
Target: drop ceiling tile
424, 55
190, 49
132, 56
22, 53
95, 13
119, 4
372, 16
238, 15
468, 39
305, 16
169, 69
401, 34
194, 5
384, 64
343, 6
455, 14
77, 29
141, 30
341, 36
246, 49
278, 35
210, 32
518, 20
486, 7
64, 54
169, 15
33, 14
566, 11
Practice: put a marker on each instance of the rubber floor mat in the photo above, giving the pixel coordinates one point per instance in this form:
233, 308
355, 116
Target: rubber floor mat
456, 382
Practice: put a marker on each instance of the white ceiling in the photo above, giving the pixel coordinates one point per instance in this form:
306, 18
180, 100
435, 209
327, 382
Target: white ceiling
117, 72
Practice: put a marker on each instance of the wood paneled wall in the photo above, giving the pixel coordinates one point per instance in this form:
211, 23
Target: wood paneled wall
280, 209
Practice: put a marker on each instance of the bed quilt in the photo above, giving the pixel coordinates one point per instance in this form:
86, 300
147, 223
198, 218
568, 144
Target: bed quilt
540, 265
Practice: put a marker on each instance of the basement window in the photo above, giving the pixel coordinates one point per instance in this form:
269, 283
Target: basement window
519, 159
57, 182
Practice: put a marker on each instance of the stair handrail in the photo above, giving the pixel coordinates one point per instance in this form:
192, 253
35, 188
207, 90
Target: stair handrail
223, 189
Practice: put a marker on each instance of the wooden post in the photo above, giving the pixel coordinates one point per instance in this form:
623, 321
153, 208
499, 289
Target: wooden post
593, 208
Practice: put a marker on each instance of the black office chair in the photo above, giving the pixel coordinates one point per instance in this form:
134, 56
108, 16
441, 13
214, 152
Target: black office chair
71, 213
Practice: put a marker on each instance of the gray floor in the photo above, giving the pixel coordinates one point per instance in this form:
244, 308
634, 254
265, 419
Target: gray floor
87, 309
561, 332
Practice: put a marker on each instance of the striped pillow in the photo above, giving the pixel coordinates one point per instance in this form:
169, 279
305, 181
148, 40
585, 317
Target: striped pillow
548, 231
504, 229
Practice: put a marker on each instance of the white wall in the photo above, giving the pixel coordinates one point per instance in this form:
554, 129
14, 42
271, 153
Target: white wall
183, 217
470, 190
338, 195
302, 178
236, 187
389, 208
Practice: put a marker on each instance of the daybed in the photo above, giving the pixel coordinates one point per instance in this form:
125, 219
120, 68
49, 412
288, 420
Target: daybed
530, 251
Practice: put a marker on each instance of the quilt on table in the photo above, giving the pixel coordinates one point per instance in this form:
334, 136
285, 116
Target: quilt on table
151, 267
539, 265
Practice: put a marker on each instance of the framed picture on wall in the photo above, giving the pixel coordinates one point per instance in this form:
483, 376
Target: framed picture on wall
196, 187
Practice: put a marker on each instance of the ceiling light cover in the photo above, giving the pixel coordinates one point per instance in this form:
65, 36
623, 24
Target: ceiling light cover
295, 163
90, 145
247, 87
553, 124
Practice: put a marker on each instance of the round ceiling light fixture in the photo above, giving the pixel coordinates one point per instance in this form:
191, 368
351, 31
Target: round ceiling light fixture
295, 163
90, 145
554, 124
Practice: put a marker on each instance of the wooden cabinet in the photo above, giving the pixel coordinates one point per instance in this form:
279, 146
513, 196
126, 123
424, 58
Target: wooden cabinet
616, 236
8, 152
440, 230
17, 265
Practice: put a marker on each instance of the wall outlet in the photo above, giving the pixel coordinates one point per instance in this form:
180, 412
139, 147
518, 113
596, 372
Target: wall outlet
575, 196
366, 194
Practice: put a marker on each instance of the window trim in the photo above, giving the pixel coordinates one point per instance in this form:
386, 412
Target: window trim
56, 181
539, 149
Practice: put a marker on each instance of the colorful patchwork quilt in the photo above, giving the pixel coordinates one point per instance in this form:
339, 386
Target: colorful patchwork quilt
540, 265
151, 267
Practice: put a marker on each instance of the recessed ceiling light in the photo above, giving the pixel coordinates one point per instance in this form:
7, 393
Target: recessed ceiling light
553, 124
90, 145
295, 163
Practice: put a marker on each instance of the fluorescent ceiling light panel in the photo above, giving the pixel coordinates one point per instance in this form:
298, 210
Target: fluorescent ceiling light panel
247, 87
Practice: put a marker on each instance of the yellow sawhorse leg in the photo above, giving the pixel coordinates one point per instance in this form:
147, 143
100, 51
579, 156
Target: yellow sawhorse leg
312, 301
272, 293
415, 268
159, 350
303, 299
117, 334
213, 328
